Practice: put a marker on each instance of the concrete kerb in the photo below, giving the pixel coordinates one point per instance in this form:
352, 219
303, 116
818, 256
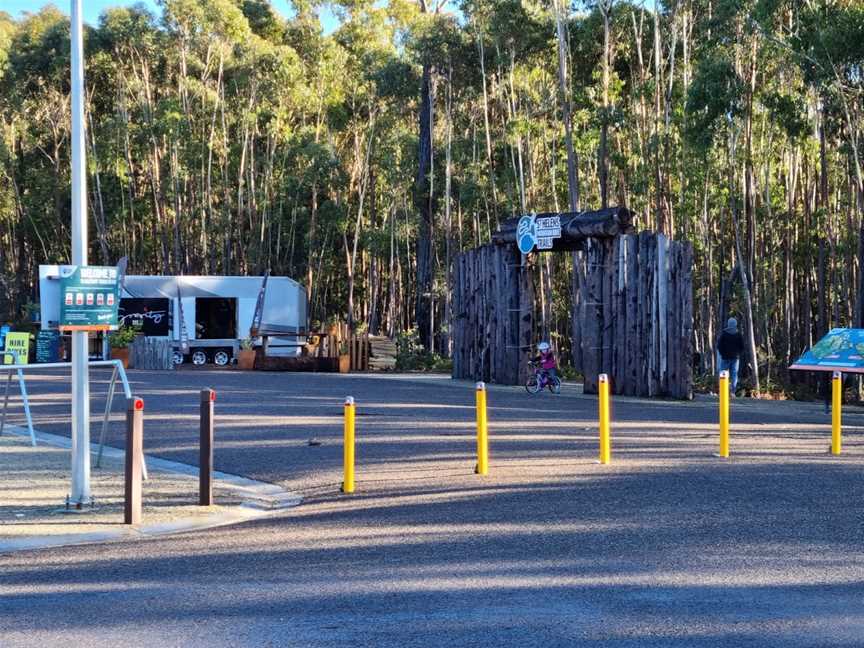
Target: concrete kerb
257, 500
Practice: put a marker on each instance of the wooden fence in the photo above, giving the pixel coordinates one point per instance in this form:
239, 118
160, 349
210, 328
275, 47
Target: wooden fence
493, 315
151, 353
637, 315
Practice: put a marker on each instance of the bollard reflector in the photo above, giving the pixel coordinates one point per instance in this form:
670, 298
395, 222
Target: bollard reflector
480, 386
349, 400
139, 403
213, 395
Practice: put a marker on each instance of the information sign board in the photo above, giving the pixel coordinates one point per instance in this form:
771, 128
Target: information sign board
48, 346
90, 296
840, 350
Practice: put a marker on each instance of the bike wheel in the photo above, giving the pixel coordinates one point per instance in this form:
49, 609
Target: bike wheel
555, 385
533, 385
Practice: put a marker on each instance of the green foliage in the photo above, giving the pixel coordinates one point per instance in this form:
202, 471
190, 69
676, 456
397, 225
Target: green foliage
122, 338
411, 356
714, 99
225, 138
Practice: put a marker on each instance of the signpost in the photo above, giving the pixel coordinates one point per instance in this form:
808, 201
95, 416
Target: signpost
80, 487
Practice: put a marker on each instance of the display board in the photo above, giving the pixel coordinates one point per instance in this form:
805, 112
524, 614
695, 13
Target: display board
841, 350
150, 316
48, 346
90, 298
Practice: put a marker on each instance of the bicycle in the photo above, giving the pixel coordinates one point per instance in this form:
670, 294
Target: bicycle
541, 379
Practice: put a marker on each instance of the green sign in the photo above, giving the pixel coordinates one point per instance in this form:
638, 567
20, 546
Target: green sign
90, 296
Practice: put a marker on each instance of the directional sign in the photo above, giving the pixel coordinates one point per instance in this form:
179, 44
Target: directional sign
89, 297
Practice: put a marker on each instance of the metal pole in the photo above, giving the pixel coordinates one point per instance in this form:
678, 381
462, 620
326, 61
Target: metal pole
836, 409
134, 454
80, 488
605, 443
5, 403
723, 390
482, 431
108, 402
205, 460
348, 447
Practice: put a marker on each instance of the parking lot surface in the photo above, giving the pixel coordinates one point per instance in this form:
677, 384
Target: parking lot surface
666, 546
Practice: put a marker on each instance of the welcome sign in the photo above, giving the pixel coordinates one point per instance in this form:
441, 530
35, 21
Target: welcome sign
90, 297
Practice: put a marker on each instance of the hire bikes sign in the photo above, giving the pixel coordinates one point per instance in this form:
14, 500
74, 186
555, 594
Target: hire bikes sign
89, 297
536, 232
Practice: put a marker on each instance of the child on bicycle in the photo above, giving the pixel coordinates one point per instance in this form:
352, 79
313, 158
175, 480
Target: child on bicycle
546, 360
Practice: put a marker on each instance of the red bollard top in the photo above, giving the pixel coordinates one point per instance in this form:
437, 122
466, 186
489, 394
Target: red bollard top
208, 395
138, 404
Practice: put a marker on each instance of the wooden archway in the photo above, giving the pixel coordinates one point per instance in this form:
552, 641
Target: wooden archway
633, 308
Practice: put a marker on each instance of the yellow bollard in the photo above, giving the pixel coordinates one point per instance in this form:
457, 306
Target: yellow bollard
348, 447
605, 442
482, 432
724, 414
836, 408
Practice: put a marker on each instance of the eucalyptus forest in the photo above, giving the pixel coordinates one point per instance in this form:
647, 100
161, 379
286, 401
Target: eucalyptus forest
225, 138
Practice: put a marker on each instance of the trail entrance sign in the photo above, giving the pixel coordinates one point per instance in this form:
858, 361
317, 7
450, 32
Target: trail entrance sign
537, 232
90, 296
547, 230
841, 350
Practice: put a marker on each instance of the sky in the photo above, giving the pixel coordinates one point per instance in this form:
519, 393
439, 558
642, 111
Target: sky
92, 8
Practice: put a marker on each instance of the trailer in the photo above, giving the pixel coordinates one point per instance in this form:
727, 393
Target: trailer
205, 317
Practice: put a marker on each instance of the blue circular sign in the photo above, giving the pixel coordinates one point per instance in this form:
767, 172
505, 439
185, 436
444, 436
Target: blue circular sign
526, 237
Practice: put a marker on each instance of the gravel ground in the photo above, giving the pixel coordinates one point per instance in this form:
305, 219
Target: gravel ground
666, 546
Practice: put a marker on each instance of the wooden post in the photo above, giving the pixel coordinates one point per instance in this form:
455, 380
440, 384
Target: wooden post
134, 459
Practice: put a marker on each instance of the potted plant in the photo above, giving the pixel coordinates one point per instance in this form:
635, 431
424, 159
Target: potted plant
119, 341
246, 355
332, 325
344, 358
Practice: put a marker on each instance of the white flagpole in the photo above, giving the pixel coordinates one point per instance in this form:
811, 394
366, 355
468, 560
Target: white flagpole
80, 490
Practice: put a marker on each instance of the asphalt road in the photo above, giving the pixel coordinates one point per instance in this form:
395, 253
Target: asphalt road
666, 546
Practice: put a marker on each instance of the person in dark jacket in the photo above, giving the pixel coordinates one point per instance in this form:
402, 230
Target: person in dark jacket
730, 346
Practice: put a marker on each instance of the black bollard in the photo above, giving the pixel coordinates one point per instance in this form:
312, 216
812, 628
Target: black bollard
205, 460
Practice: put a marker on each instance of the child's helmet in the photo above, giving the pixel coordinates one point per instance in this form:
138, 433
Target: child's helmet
543, 346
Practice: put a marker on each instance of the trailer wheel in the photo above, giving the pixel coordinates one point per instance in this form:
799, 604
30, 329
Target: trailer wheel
199, 358
177, 357
221, 358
